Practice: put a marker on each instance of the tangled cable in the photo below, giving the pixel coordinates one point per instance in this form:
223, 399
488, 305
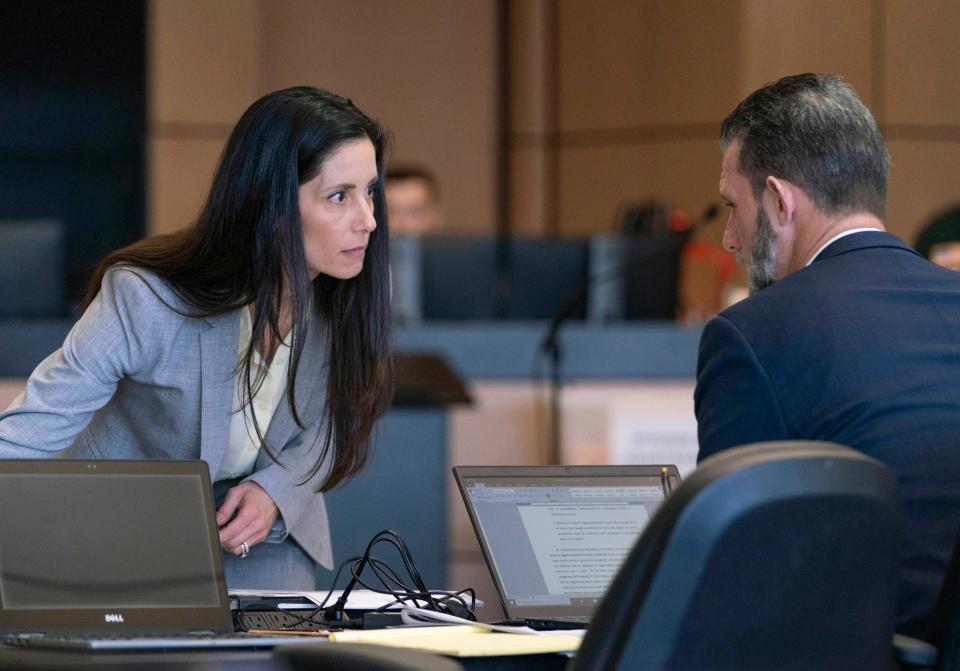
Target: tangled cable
388, 582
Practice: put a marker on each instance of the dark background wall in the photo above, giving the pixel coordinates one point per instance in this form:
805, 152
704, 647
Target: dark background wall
72, 117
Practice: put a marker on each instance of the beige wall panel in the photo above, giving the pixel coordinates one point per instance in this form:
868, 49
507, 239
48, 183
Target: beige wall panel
179, 180
501, 427
527, 183
605, 64
529, 66
426, 68
783, 37
204, 64
924, 179
596, 181
629, 62
922, 67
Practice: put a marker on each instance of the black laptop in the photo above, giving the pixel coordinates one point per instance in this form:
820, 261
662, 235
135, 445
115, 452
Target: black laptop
103, 555
555, 536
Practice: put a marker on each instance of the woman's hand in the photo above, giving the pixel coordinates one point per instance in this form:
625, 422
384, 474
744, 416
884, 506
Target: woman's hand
246, 516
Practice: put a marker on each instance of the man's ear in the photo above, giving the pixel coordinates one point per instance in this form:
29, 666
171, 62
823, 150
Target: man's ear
781, 197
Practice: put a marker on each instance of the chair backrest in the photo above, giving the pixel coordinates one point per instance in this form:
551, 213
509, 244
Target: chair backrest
945, 622
31, 268
777, 555
651, 276
546, 274
460, 278
481, 277
406, 260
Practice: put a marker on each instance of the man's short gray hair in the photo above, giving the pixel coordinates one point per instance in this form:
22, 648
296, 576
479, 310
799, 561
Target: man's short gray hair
814, 131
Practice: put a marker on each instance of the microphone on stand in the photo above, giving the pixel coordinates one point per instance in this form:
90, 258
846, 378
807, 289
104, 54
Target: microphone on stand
678, 232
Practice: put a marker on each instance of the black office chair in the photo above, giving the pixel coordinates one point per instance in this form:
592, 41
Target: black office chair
942, 651
777, 555
546, 275
459, 279
356, 657
31, 268
32, 305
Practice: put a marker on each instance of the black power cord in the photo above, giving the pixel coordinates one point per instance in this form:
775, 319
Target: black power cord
391, 584
461, 603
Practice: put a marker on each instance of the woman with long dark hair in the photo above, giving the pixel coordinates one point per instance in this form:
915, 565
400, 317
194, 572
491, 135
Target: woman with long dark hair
257, 339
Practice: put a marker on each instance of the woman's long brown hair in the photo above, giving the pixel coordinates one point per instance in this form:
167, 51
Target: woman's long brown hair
247, 247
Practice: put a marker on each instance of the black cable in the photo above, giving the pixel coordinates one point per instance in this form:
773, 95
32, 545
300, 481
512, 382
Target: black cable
424, 593
394, 540
390, 582
336, 577
401, 547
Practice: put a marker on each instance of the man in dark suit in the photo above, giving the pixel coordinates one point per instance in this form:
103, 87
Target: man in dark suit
849, 335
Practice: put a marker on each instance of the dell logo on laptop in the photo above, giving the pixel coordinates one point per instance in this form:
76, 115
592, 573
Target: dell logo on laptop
113, 617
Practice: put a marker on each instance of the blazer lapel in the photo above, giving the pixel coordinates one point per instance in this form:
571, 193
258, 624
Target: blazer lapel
218, 360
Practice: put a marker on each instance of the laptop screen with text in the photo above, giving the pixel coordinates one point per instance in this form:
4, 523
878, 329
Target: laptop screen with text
554, 537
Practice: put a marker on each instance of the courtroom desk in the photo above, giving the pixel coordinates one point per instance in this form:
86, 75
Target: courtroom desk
18, 659
506, 349
487, 349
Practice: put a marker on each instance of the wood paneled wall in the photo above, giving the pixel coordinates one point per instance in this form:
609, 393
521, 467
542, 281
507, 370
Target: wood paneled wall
636, 90
426, 68
607, 100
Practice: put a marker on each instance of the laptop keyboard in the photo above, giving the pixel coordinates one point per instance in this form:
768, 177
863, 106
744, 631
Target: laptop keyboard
131, 642
538, 624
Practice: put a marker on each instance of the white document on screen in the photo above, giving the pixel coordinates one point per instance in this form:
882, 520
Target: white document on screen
580, 548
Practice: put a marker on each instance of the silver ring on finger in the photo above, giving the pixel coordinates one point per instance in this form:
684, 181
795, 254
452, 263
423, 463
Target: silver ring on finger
244, 550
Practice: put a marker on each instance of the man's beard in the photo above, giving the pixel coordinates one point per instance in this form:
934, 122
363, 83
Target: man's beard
762, 266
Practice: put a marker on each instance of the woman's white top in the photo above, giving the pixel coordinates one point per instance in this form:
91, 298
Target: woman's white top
244, 447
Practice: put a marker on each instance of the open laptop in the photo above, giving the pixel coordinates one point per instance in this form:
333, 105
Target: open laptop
555, 536
104, 555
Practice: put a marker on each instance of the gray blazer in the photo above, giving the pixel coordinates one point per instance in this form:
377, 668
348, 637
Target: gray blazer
137, 380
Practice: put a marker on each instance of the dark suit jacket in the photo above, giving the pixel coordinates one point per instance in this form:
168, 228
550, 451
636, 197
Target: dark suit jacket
861, 348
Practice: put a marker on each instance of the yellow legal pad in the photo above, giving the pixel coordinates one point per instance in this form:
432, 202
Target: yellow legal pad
462, 641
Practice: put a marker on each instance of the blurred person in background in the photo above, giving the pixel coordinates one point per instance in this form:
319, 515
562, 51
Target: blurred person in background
939, 241
413, 200
257, 339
